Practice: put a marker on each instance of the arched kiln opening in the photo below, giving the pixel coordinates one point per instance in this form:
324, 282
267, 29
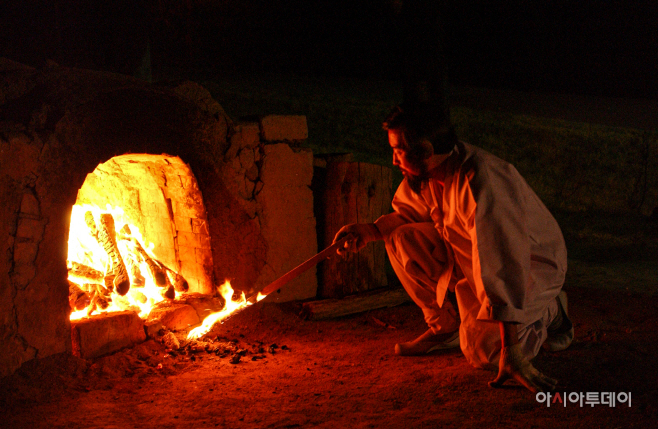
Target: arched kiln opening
138, 235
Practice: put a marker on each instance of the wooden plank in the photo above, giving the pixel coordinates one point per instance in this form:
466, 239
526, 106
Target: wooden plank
353, 193
330, 285
354, 304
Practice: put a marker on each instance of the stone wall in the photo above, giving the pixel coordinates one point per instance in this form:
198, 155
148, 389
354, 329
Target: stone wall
273, 176
58, 124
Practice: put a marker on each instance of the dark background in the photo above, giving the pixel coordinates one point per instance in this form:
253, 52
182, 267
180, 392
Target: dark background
606, 47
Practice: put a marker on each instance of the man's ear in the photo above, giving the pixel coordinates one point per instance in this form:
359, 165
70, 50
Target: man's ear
426, 149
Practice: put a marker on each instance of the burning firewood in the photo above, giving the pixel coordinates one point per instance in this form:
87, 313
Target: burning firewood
81, 273
179, 283
105, 235
78, 298
164, 276
136, 277
100, 297
169, 293
132, 261
157, 273
173, 278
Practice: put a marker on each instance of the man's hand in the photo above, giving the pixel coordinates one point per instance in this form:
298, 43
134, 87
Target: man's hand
362, 233
513, 364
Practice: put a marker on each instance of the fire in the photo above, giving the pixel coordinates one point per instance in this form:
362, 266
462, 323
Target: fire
85, 251
99, 241
230, 307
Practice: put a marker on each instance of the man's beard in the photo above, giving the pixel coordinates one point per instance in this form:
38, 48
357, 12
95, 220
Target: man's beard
417, 181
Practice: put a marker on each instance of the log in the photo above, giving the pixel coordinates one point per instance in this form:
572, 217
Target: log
157, 273
173, 278
106, 237
334, 308
100, 297
164, 276
78, 298
81, 273
353, 192
132, 261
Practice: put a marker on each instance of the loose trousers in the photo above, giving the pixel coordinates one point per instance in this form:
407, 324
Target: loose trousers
418, 255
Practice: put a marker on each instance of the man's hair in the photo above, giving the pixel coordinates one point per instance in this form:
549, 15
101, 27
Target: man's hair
421, 123
418, 125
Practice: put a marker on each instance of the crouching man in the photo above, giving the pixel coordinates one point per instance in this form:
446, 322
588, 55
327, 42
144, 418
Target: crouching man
475, 248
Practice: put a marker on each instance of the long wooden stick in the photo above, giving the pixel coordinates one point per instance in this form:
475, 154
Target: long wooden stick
303, 267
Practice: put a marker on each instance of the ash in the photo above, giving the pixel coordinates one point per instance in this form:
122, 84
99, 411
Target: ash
177, 346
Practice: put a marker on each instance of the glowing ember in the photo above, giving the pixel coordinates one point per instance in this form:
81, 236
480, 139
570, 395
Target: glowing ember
230, 307
85, 251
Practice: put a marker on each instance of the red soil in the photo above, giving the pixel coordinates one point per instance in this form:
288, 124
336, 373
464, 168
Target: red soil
343, 373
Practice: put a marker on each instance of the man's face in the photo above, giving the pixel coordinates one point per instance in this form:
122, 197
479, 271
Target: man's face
400, 159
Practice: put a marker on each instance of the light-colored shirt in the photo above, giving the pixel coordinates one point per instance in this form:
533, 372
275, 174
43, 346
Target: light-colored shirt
500, 237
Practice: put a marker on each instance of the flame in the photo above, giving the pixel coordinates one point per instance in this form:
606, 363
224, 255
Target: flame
230, 307
84, 248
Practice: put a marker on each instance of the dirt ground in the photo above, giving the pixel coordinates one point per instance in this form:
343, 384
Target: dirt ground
343, 373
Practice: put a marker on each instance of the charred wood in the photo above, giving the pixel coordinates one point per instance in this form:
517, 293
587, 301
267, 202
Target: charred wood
78, 298
156, 272
100, 297
105, 235
173, 278
81, 273
169, 293
132, 261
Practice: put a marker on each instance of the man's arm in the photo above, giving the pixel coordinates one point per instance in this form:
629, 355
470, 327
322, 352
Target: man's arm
513, 364
362, 233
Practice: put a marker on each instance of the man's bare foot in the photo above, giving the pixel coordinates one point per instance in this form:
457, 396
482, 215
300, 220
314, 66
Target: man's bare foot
428, 342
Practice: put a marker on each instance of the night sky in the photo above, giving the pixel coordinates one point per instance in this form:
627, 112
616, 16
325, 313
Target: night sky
607, 48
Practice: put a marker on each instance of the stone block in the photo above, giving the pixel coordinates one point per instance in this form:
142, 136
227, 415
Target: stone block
204, 241
247, 189
22, 275
203, 256
252, 173
25, 253
106, 333
152, 195
188, 239
205, 286
276, 128
187, 254
249, 134
160, 225
173, 316
200, 226
30, 205
188, 182
172, 179
204, 305
166, 255
287, 219
31, 229
195, 211
246, 158
190, 271
184, 223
